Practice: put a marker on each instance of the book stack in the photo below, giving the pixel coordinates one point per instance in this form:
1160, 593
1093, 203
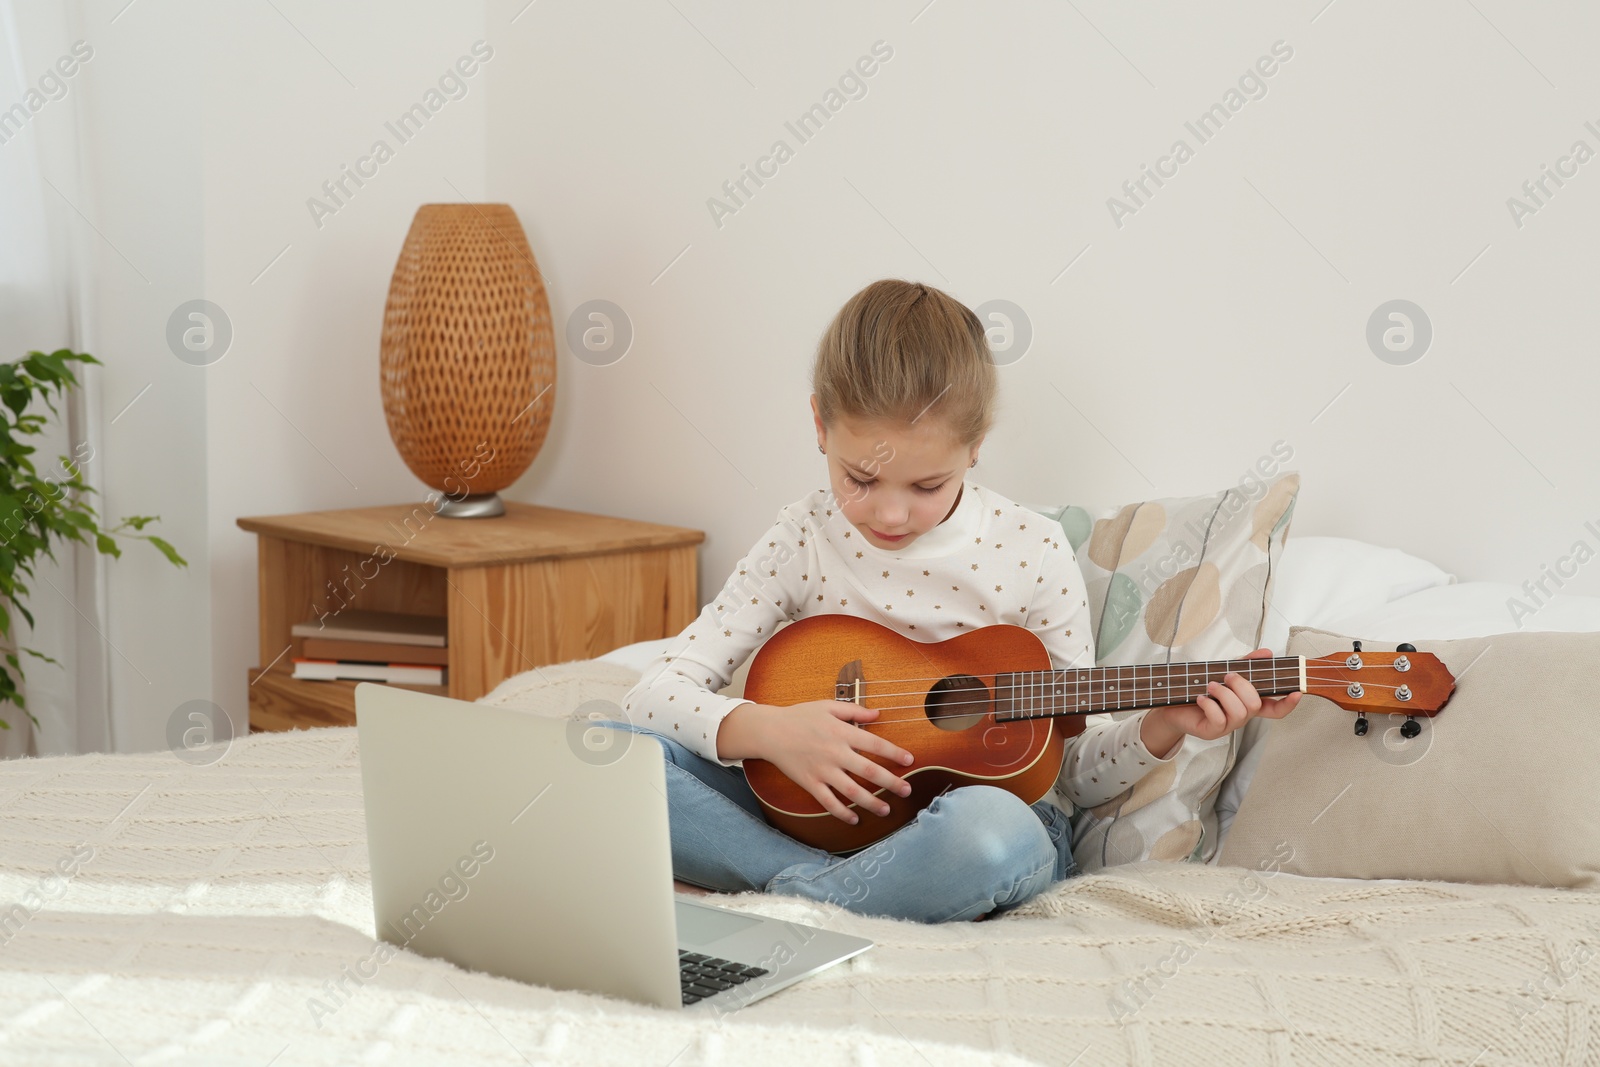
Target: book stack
373, 646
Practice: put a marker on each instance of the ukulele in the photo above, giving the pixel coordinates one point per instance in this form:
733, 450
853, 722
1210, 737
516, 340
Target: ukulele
985, 707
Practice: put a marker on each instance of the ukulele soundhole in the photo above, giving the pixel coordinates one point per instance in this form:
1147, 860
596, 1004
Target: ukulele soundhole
958, 702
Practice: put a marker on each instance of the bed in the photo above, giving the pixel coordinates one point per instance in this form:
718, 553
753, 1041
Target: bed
160, 912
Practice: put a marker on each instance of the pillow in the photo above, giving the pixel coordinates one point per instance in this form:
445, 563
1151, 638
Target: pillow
1324, 579
1172, 580
641, 654
1499, 788
1472, 609
1237, 782
638, 655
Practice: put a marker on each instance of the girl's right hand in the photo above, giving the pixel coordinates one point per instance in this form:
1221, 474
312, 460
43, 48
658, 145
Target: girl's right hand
817, 746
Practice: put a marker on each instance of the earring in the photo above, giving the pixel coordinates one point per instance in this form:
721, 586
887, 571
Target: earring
824, 451
974, 462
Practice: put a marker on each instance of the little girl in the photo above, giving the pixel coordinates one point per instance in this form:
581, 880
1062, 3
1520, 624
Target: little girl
904, 392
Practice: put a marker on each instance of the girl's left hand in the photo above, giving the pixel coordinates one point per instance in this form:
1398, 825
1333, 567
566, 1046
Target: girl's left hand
1223, 709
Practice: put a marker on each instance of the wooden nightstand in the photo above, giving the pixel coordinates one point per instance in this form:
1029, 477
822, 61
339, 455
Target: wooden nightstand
534, 586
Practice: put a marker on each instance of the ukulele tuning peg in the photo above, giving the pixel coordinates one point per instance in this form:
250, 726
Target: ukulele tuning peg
1357, 645
1361, 725
1405, 647
1410, 728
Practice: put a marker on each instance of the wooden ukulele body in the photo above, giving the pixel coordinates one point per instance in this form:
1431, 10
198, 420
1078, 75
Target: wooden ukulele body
936, 700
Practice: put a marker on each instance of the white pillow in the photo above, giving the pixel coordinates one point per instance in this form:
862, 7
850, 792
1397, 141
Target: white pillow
1323, 580
1471, 609
638, 656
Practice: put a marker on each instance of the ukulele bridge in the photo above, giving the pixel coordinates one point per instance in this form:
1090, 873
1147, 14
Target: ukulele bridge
851, 685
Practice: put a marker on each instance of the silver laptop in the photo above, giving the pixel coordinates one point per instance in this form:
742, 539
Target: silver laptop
536, 848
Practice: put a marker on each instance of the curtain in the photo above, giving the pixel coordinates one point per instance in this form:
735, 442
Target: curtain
45, 290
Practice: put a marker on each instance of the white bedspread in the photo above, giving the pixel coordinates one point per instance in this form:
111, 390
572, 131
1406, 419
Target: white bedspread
220, 902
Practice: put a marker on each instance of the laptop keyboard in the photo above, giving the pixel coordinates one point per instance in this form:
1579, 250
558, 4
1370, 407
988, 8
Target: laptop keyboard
703, 976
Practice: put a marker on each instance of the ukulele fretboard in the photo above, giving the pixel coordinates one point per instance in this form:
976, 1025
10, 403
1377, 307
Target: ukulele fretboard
1035, 694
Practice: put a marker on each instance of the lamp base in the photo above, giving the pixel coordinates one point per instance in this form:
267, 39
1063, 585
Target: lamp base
480, 506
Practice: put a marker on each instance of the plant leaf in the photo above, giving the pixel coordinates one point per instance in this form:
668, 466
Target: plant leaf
37, 513
168, 551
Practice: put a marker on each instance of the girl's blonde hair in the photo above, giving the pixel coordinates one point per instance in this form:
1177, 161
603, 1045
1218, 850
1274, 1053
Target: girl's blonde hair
898, 349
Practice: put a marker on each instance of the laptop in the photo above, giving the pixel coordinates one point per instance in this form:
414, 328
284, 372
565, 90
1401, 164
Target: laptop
536, 848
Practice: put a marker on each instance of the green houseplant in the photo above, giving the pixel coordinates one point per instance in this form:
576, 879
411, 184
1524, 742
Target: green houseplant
34, 510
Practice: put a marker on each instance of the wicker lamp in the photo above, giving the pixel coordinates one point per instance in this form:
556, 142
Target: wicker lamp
467, 360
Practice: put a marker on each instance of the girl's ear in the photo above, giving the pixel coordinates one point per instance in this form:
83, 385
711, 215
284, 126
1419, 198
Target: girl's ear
822, 431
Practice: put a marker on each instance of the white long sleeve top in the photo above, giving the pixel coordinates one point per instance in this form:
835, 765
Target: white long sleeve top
990, 561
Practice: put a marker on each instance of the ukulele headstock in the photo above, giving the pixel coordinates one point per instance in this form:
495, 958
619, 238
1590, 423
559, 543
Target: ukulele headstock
1403, 682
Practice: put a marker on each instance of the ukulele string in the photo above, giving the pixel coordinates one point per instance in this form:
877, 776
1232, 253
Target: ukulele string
1018, 718
923, 716
1287, 675
1250, 673
1032, 690
1263, 661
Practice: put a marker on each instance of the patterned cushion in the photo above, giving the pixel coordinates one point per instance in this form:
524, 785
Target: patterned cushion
1172, 580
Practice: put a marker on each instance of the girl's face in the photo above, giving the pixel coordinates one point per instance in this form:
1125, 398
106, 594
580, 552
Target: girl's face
894, 481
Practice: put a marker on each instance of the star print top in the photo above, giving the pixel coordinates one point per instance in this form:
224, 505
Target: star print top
990, 561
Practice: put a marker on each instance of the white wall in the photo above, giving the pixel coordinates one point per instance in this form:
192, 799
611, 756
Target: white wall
211, 126
1225, 315
294, 411
139, 222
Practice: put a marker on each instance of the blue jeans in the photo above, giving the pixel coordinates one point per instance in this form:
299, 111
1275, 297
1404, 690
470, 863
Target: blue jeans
973, 850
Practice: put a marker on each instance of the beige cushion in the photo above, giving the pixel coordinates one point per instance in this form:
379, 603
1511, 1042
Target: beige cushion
1500, 787
1170, 580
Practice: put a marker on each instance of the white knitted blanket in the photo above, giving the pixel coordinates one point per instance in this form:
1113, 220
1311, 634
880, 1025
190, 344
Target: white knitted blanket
161, 912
